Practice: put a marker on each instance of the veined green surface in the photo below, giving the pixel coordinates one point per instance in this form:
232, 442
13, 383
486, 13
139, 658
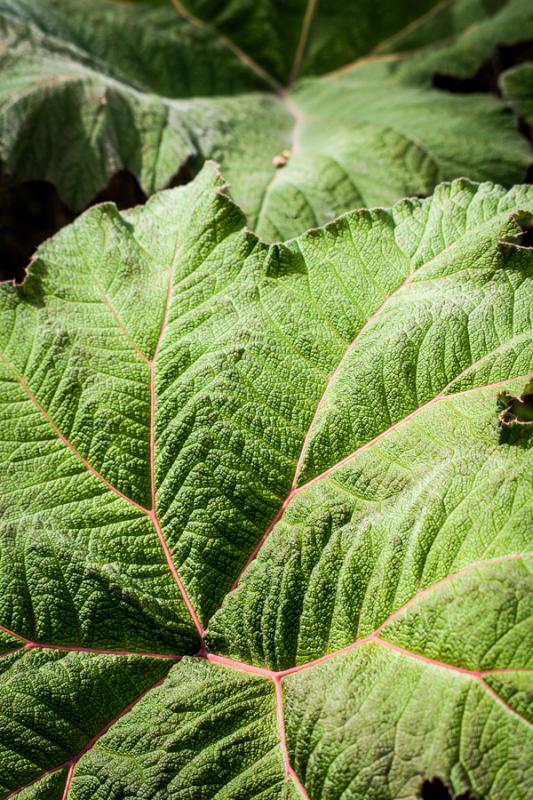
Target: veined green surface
87, 89
320, 451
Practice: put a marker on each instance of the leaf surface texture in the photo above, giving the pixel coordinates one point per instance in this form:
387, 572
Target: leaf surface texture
266, 509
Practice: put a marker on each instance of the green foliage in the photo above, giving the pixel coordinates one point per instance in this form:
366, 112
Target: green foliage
284, 462
266, 510
87, 89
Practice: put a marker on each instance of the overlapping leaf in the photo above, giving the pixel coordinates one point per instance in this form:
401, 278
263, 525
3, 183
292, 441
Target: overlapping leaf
321, 452
87, 89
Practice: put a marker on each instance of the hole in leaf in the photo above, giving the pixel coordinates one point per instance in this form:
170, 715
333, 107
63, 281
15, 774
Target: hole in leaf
436, 789
525, 239
518, 410
516, 416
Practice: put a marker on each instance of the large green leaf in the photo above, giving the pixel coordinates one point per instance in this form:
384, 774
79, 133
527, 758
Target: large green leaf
87, 89
321, 451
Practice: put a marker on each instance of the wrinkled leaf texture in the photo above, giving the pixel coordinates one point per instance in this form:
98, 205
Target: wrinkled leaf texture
88, 89
267, 509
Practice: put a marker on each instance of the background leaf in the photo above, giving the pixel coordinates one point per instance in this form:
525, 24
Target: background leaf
89, 90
